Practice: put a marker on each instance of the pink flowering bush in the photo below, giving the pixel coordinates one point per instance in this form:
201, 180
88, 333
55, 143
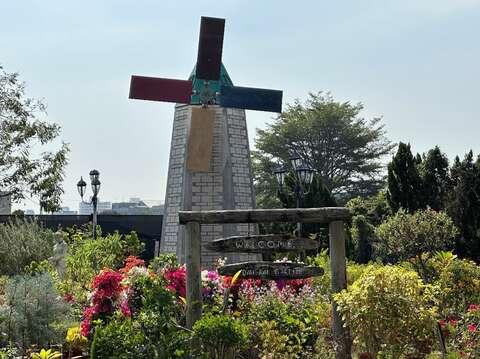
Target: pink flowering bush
111, 292
462, 334
109, 295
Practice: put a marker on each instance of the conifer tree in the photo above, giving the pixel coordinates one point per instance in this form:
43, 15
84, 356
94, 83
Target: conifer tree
435, 175
404, 181
464, 205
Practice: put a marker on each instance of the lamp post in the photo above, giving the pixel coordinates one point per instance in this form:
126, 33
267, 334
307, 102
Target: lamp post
95, 183
303, 176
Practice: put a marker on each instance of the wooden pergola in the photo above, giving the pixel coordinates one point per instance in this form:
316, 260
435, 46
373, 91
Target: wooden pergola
334, 216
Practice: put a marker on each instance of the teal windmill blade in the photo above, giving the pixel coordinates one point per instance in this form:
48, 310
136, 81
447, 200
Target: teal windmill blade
250, 98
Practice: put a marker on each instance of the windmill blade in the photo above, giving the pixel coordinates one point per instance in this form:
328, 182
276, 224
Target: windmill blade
158, 89
250, 98
210, 45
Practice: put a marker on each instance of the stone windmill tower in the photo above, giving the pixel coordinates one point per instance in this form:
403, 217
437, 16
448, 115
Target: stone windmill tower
210, 166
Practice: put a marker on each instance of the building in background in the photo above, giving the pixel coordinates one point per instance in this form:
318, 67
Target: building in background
87, 208
136, 206
5, 203
66, 211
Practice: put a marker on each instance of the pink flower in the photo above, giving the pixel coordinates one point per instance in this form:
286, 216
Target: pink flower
176, 279
85, 328
472, 328
452, 322
125, 309
473, 307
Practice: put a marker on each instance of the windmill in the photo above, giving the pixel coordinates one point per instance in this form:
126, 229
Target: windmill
207, 93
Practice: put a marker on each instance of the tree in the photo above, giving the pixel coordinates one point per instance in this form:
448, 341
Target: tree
464, 205
404, 182
434, 170
374, 209
343, 148
317, 195
22, 135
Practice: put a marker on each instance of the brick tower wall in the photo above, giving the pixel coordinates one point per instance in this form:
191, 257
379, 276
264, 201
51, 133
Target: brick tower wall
228, 184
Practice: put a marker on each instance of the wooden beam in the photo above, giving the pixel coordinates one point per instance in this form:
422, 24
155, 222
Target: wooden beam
293, 215
338, 267
194, 281
268, 243
271, 270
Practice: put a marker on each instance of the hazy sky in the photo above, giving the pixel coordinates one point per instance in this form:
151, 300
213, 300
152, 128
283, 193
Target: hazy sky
414, 62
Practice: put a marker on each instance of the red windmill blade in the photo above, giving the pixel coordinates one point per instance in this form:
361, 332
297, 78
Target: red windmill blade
210, 46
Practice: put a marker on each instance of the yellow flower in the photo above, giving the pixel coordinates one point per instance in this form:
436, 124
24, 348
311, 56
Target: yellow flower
74, 337
46, 354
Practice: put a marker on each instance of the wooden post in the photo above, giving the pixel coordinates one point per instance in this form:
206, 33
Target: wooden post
194, 282
338, 266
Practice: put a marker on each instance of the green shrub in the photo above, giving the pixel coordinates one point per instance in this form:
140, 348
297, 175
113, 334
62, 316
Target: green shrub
22, 242
87, 257
163, 261
119, 339
389, 310
406, 236
269, 342
157, 310
458, 280
34, 312
220, 335
299, 317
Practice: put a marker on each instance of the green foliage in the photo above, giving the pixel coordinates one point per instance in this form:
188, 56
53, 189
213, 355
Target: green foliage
10, 352
300, 320
119, 339
87, 257
363, 235
46, 354
22, 135
405, 236
34, 312
389, 311
269, 342
22, 242
220, 335
163, 261
157, 312
345, 149
375, 208
405, 184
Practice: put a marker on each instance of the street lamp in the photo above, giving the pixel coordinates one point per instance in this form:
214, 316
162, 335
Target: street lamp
303, 176
95, 183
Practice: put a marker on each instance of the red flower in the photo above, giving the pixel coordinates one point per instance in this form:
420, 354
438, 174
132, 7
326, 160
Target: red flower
176, 279
452, 322
131, 262
108, 283
442, 322
68, 298
86, 323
